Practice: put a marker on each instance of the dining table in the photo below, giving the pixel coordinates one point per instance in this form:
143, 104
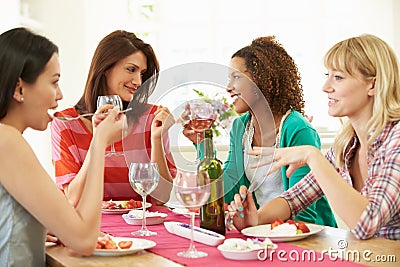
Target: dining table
331, 246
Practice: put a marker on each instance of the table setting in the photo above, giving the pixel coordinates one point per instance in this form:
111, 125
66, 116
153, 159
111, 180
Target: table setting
171, 235
168, 244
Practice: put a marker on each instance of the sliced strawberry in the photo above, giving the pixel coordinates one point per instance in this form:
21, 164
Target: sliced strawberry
125, 244
303, 227
291, 222
275, 223
110, 245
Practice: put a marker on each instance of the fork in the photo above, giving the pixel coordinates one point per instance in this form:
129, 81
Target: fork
84, 115
229, 217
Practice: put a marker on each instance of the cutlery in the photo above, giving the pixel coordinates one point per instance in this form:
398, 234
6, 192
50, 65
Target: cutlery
83, 115
229, 218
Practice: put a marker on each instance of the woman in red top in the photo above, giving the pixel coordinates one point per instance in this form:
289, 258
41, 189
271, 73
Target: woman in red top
120, 65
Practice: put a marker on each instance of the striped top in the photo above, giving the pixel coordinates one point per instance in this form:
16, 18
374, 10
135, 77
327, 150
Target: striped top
381, 217
70, 143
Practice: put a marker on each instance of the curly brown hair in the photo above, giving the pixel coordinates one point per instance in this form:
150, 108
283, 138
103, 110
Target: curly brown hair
275, 74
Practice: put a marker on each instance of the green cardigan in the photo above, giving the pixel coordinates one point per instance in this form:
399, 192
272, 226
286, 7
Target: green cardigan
296, 130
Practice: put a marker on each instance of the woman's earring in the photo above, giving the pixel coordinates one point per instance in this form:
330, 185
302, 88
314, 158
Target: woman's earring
21, 99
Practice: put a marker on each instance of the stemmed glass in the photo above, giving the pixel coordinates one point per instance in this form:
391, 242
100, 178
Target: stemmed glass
192, 190
143, 178
114, 100
201, 115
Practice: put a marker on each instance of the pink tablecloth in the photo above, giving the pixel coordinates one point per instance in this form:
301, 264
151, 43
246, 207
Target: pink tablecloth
168, 245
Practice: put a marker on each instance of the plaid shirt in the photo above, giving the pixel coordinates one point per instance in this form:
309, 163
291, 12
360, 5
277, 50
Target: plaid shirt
70, 143
381, 217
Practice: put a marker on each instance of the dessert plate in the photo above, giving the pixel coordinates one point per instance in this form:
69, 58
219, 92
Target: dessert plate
138, 244
264, 230
121, 211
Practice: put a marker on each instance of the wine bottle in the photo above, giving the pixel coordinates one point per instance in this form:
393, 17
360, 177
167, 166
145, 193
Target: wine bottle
212, 214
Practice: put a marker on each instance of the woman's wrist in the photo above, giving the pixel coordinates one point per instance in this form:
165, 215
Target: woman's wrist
98, 142
156, 141
313, 155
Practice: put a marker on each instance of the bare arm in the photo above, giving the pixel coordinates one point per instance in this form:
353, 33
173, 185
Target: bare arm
73, 190
25, 179
162, 122
337, 191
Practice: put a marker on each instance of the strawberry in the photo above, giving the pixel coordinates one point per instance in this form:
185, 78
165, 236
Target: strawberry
124, 244
110, 245
291, 222
276, 222
303, 227
133, 204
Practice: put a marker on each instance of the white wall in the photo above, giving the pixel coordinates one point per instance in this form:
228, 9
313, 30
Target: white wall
190, 30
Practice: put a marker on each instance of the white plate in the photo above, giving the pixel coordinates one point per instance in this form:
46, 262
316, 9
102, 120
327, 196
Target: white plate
134, 217
199, 234
121, 211
264, 230
184, 212
138, 244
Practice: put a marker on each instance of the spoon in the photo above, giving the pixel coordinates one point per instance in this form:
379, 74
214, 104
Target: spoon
83, 115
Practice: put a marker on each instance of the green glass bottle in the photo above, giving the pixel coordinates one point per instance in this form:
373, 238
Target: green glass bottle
212, 214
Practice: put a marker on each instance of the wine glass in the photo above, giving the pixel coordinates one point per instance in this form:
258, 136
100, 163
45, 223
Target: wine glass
143, 177
201, 115
192, 190
114, 100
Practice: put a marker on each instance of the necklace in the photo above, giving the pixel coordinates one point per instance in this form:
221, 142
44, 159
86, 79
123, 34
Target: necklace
248, 135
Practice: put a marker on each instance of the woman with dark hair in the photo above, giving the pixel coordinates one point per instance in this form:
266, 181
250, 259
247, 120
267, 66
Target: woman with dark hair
30, 203
264, 75
120, 65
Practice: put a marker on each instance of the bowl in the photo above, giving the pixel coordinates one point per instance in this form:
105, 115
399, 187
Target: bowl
240, 249
134, 217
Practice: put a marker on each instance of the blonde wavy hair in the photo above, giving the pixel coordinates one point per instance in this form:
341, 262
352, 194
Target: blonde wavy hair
371, 57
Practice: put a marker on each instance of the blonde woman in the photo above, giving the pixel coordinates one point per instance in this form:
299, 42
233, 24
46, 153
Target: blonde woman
360, 174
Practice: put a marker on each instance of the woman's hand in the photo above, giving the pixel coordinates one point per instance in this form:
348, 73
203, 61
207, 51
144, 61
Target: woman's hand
191, 134
244, 208
162, 121
187, 131
108, 124
294, 157
50, 237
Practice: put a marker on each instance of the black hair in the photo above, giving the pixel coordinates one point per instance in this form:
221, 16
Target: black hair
23, 54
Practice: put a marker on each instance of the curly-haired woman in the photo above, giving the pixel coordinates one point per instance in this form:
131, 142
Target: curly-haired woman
264, 72
264, 84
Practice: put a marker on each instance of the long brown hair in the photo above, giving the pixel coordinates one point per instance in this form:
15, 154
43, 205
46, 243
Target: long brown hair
112, 48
